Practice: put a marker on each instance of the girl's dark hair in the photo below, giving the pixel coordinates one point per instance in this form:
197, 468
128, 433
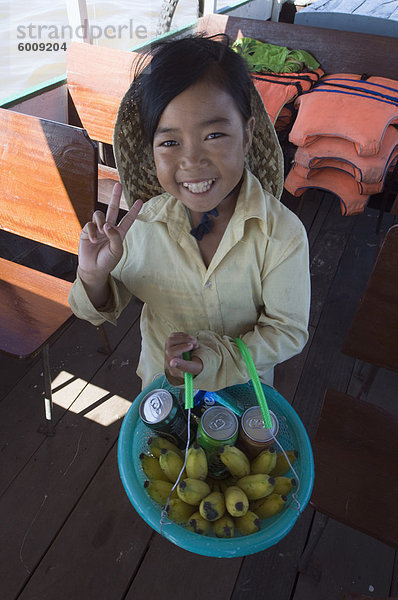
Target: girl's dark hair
177, 65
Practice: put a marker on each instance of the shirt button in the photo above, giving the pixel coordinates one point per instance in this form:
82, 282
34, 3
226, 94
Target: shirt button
208, 284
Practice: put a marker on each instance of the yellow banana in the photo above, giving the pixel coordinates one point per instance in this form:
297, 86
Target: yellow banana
171, 464
236, 501
196, 466
198, 524
158, 490
179, 511
254, 504
271, 505
256, 486
284, 485
212, 506
151, 467
264, 462
249, 523
282, 466
224, 527
192, 491
235, 460
157, 443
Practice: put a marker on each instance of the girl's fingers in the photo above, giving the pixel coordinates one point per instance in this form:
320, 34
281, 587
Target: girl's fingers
114, 203
129, 218
99, 220
91, 230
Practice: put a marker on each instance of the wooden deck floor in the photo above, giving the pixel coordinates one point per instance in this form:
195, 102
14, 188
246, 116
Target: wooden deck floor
67, 528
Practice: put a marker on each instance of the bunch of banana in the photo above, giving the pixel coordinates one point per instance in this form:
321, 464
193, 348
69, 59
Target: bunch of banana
171, 464
224, 527
158, 490
264, 462
198, 524
235, 460
192, 491
179, 511
157, 443
255, 490
282, 466
236, 501
151, 467
284, 485
212, 506
256, 486
271, 505
196, 466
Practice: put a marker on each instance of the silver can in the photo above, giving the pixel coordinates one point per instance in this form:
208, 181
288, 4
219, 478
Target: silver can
161, 411
253, 436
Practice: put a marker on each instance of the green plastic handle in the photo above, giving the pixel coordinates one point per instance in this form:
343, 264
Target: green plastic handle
188, 381
258, 388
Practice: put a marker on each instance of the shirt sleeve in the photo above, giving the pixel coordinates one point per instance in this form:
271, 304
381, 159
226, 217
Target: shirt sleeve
280, 332
83, 308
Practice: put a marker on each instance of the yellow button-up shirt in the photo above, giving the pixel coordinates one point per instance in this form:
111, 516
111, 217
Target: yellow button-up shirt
256, 287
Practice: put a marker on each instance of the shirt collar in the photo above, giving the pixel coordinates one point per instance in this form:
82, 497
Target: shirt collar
167, 209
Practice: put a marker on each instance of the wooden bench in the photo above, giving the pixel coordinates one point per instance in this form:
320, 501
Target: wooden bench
48, 188
356, 443
97, 79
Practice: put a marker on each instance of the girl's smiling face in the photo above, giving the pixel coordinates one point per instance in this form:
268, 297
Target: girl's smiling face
199, 147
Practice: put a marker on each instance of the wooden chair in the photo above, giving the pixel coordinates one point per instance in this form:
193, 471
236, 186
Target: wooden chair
97, 79
48, 187
356, 443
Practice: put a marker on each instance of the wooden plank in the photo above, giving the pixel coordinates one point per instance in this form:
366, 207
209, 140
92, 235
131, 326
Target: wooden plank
74, 361
170, 572
48, 179
287, 374
325, 255
59, 471
356, 444
272, 573
337, 51
97, 79
98, 549
34, 308
373, 334
346, 561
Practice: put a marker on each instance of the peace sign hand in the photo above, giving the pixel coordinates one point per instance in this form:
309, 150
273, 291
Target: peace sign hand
101, 240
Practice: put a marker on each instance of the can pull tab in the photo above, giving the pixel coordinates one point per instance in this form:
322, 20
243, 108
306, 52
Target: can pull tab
188, 381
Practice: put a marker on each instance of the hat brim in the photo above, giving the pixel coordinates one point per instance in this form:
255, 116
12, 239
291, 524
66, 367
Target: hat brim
136, 167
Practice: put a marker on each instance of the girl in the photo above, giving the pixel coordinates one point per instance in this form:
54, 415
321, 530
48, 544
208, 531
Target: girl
213, 254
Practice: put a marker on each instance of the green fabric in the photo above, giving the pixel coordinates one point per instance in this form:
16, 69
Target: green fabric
261, 57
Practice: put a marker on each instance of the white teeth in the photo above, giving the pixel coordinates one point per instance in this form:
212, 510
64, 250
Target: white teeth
199, 188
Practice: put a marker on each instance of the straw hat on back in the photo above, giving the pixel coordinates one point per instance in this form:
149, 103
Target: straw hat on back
136, 167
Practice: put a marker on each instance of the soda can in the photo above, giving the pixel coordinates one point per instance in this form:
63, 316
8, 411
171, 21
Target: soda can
161, 411
253, 436
217, 427
201, 402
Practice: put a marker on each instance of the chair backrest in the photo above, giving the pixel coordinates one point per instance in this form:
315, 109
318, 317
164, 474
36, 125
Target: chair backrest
48, 179
97, 78
337, 51
373, 334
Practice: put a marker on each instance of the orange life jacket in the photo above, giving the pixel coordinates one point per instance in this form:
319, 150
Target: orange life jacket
279, 89
339, 183
341, 154
343, 105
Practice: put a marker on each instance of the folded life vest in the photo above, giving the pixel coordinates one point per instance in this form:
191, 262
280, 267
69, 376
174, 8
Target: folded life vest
373, 187
341, 154
343, 105
279, 89
339, 183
